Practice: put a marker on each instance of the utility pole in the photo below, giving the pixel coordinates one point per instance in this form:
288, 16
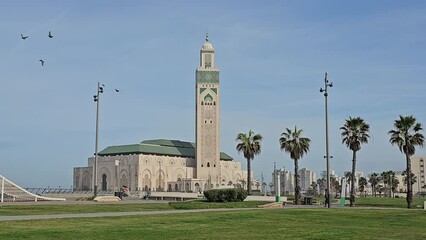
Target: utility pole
96, 98
326, 85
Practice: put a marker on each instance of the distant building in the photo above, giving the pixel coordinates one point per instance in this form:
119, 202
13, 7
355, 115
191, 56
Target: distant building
358, 175
306, 178
286, 181
332, 175
418, 169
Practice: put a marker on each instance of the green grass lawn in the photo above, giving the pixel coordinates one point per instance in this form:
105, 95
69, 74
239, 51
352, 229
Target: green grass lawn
388, 202
250, 224
34, 209
205, 205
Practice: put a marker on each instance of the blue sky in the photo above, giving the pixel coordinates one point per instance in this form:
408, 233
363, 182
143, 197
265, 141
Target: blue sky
272, 56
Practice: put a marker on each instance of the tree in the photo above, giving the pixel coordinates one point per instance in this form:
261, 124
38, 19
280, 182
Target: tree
380, 187
314, 187
374, 180
406, 135
354, 133
348, 176
413, 178
257, 185
362, 184
249, 145
292, 142
385, 177
390, 181
335, 184
322, 185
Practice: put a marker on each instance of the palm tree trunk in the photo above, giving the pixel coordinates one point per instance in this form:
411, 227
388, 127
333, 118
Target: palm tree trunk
248, 176
409, 180
352, 198
374, 189
296, 181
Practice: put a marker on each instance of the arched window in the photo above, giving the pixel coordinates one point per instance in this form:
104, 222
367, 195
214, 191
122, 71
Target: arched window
104, 182
208, 164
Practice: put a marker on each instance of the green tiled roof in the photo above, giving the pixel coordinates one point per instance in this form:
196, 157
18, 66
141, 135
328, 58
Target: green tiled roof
158, 147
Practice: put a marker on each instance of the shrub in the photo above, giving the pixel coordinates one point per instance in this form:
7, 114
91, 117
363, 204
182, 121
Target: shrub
226, 195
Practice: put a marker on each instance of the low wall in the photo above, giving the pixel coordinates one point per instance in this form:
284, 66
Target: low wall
265, 198
176, 196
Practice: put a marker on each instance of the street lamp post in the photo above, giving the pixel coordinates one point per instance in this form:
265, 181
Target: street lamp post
159, 177
96, 99
117, 175
326, 85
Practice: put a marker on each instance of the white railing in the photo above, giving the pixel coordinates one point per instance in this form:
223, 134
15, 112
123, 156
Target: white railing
11, 192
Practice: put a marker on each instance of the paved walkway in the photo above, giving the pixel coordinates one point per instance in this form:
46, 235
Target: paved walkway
115, 214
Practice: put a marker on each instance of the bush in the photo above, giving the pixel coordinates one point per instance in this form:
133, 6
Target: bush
225, 195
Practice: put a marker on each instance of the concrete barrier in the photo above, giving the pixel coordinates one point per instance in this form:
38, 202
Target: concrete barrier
107, 199
172, 196
271, 205
265, 198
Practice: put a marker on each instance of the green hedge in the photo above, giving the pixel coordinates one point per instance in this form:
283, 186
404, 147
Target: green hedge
225, 195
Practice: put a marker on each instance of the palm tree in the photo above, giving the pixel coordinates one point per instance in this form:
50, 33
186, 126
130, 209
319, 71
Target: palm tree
413, 178
380, 187
362, 184
322, 185
354, 133
390, 180
348, 176
407, 136
374, 180
249, 144
293, 143
385, 177
314, 187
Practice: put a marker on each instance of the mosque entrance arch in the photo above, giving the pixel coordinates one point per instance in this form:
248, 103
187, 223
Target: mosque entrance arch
104, 182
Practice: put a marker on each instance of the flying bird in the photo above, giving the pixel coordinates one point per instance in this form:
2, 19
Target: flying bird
50, 35
42, 62
117, 90
24, 37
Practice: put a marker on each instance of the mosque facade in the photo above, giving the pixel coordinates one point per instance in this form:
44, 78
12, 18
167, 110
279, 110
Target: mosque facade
172, 165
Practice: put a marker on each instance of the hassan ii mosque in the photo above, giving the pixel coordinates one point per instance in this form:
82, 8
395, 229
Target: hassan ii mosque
172, 165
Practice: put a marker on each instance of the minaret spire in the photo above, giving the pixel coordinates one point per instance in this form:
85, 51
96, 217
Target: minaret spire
207, 37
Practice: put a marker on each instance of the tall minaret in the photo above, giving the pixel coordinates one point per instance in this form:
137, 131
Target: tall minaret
207, 118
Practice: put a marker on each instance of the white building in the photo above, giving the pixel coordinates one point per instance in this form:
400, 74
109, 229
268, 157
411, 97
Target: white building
332, 175
306, 178
172, 165
418, 169
358, 175
286, 181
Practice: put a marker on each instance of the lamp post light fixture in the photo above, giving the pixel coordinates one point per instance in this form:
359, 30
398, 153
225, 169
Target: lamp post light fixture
96, 98
324, 90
